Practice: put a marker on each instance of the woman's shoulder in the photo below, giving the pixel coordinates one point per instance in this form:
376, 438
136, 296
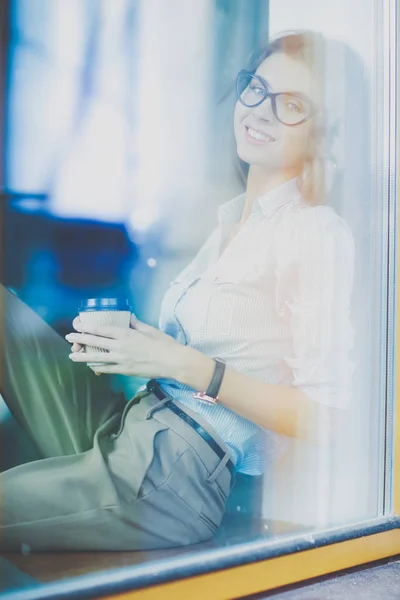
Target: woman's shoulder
320, 223
310, 233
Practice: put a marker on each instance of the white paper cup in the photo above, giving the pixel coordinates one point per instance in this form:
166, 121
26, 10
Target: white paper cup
104, 311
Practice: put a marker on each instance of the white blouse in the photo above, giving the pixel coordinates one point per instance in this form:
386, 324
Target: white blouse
274, 304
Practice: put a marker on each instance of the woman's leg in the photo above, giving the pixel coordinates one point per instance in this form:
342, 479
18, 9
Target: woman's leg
16, 448
145, 484
111, 479
59, 404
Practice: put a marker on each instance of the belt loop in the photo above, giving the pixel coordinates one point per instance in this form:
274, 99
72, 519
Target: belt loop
156, 407
219, 468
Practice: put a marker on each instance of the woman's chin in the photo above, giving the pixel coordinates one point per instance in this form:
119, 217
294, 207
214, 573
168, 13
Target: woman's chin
252, 156
256, 161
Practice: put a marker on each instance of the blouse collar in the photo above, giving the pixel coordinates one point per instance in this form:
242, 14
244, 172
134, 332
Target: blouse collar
269, 203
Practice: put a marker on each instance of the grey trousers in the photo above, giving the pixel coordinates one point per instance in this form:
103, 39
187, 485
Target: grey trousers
112, 475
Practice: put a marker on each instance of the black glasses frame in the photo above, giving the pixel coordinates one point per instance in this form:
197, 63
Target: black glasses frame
273, 96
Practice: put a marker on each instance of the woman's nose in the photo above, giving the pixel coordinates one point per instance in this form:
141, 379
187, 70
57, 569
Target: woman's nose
264, 110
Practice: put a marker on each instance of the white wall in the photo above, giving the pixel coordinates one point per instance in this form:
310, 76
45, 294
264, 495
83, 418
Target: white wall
349, 20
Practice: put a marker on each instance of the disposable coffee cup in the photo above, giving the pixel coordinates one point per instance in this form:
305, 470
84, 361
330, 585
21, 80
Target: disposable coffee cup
104, 311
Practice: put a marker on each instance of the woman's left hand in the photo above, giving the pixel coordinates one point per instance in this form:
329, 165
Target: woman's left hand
141, 350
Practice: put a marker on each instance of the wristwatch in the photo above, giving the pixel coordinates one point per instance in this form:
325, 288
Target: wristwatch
210, 396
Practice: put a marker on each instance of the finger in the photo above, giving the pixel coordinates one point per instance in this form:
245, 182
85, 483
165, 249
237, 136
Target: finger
106, 331
115, 369
77, 323
140, 326
77, 347
93, 357
94, 371
86, 339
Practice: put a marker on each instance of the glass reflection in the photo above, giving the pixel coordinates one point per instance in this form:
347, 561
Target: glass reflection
249, 384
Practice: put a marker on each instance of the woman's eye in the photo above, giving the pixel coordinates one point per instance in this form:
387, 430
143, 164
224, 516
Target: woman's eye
293, 107
257, 89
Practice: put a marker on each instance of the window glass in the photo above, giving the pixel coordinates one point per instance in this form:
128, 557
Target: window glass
223, 166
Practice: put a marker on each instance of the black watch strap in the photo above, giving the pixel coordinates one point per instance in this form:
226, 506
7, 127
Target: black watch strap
215, 383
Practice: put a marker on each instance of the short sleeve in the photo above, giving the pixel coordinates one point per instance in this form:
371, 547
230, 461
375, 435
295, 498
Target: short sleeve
315, 280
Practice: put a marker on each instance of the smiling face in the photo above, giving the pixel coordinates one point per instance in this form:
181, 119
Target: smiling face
262, 140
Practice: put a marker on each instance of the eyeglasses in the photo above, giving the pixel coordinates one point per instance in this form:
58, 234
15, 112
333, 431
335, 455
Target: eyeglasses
289, 109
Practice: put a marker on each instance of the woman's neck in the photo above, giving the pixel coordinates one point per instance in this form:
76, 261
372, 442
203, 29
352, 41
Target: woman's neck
260, 182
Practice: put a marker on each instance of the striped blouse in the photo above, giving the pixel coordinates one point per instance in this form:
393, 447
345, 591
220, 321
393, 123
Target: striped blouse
274, 304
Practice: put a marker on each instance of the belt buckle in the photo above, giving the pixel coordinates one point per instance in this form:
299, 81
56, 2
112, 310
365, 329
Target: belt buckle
150, 385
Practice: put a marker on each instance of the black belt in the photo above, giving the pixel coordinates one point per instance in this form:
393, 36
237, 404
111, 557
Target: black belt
153, 386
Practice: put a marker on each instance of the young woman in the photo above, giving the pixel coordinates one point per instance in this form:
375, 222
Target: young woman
253, 345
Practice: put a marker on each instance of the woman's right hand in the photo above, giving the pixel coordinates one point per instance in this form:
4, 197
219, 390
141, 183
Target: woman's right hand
76, 347
79, 348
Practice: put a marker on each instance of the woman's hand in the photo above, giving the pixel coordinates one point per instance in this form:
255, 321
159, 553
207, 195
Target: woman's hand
141, 350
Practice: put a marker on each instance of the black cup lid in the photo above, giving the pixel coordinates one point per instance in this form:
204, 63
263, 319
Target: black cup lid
92, 304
